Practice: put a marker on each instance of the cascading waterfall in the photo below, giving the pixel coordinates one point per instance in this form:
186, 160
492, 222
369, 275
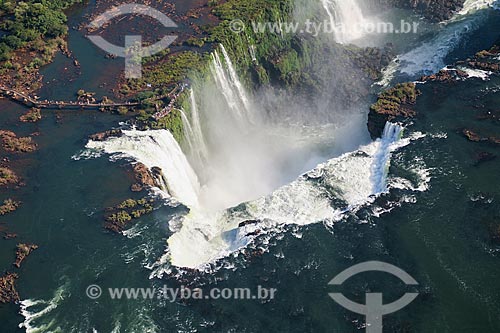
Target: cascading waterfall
245, 166
346, 19
188, 131
193, 134
199, 138
430, 56
392, 133
230, 86
234, 79
156, 149
353, 178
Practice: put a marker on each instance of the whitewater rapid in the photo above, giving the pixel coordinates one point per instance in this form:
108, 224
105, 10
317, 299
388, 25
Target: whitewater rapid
182, 182
346, 19
429, 57
326, 193
250, 171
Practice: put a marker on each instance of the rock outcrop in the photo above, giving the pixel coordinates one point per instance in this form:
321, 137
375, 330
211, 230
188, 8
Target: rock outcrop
23, 251
32, 116
8, 291
476, 137
392, 104
144, 177
8, 206
107, 134
445, 75
7, 177
11, 143
118, 217
434, 10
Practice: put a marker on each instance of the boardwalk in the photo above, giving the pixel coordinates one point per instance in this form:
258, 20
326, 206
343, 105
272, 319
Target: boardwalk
32, 102
173, 95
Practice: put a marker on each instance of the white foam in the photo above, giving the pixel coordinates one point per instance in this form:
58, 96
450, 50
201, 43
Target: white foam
156, 149
34, 310
476, 73
429, 57
346, 18
471, 6
353, 179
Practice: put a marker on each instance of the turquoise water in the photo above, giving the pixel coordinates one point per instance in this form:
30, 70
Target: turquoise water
442, 239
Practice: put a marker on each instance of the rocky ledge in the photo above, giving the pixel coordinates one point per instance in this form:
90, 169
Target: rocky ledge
23, 251
115, 133
118, 217
145, 177
393, 104
434, 10
9, 206
486, 60
8, 291
7, 177
32, 116
476, 137
11, 143
445, 75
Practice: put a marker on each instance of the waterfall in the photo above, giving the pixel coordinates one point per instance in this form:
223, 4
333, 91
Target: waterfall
430, 56
327, 193
392, 133
234, 79
475, 5
258, 170
346, 19
229, 84
156, 149
199, 138
188, 131
193, 134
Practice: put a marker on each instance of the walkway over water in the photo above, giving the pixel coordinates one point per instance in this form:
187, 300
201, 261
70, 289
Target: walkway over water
30, 101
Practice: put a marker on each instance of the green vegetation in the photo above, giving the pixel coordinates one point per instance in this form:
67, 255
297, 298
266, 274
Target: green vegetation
288, 60
162, 75
32, 116
12, 143
126, 211
9, 206
7, 176
172, 122
279, 53
32, 23
395, 100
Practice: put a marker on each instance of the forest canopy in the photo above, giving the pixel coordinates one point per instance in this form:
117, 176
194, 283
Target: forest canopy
22, 23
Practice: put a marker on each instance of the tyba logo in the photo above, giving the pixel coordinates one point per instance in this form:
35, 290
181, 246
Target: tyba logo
133, 52
374, 309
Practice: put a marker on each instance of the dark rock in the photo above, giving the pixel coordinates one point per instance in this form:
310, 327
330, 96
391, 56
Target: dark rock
105, 135
144, 177
483, 156
8, 291
9, 235
248, 222
476, 137
434, 10
23, 251
447, 76
471, 135
394, 103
